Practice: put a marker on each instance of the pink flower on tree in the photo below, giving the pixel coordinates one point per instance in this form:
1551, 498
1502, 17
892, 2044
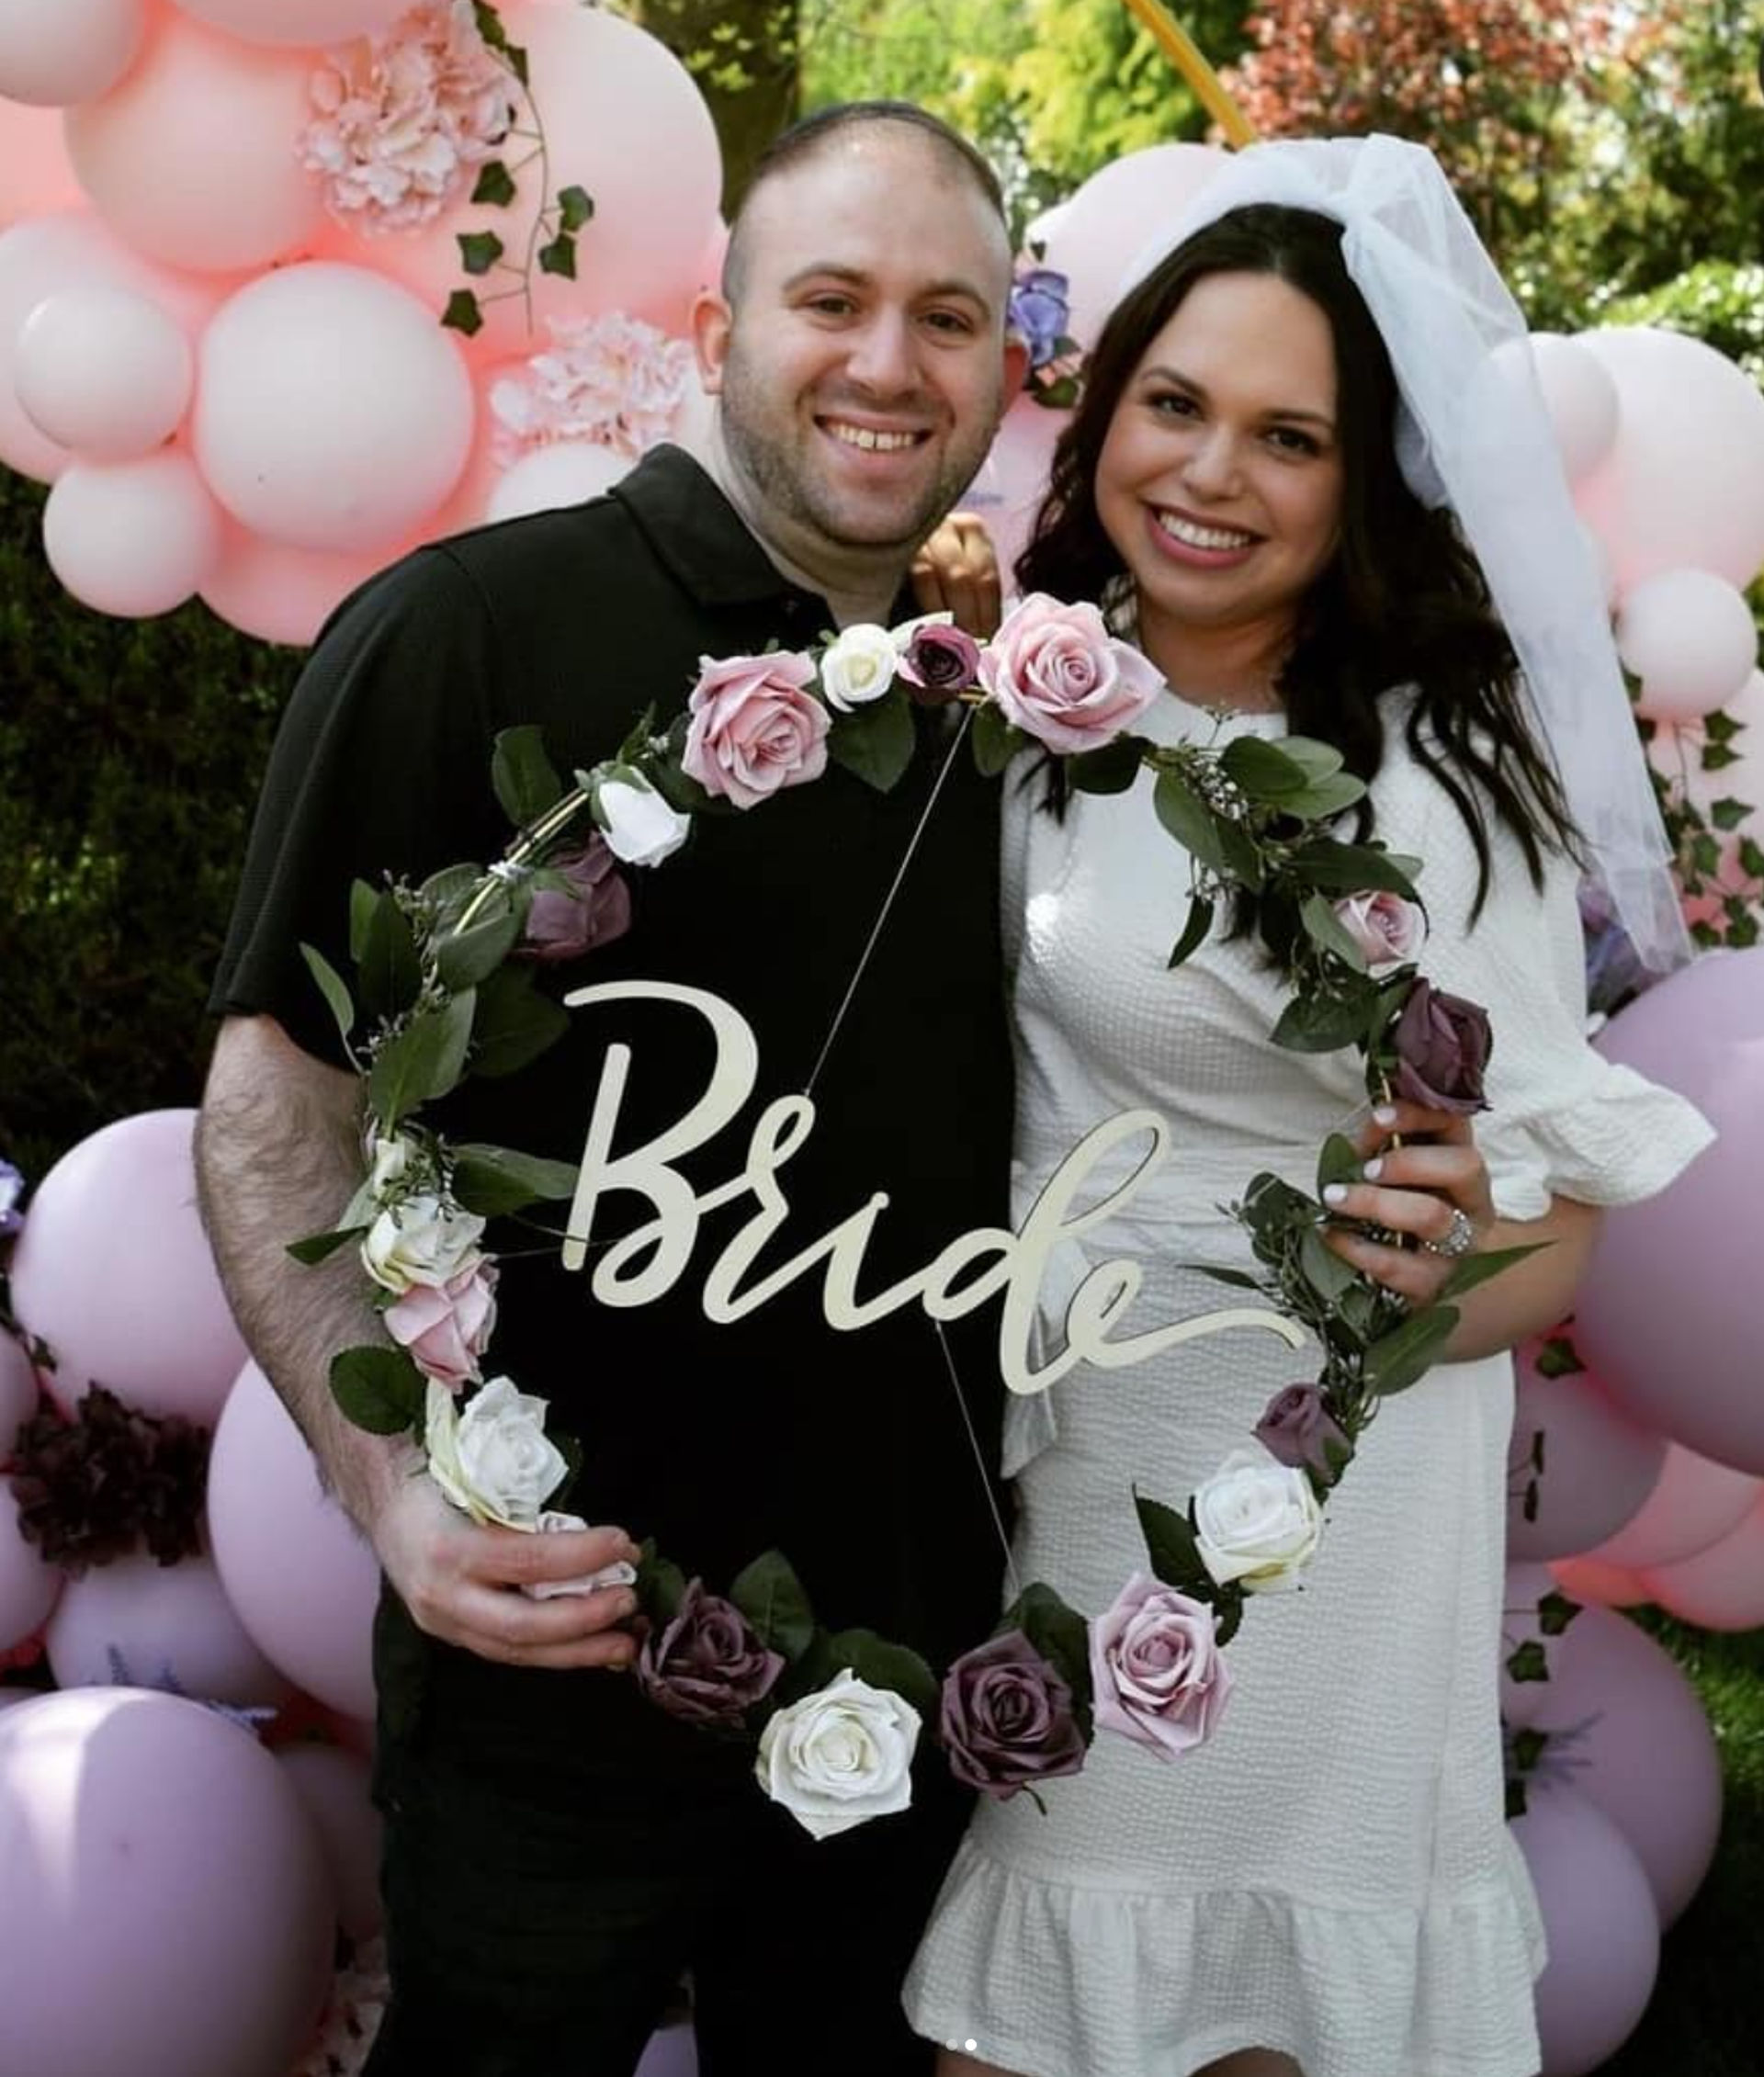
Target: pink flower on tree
448, 1326
755, 727
1058, 674
612, 379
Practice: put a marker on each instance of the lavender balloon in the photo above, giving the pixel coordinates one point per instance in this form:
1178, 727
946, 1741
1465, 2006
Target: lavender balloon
1598, 1465
27, 1585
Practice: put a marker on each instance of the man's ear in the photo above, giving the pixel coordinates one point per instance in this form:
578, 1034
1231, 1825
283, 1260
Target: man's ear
1016, 365
711, 321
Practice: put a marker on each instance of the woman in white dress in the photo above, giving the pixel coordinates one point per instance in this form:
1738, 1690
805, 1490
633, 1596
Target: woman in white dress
1328, 1886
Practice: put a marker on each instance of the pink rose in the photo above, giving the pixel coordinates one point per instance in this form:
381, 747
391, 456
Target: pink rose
1160, 1676
447, 1327
1060, 675
1386, 929
755, 728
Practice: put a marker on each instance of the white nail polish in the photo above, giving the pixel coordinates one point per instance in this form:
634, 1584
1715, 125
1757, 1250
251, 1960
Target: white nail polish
1385, 1114
1335, 1193
1373, 1170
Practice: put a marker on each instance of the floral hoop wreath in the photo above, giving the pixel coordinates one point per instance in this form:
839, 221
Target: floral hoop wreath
447, 982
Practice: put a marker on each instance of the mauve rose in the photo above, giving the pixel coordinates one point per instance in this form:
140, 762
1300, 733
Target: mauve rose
1386, 929
597, 910
1007, 1718
1299, 1431
939, 663
1442, 1044
755, 728
1060, 675
706, 1666
447, 1327
1159, 1676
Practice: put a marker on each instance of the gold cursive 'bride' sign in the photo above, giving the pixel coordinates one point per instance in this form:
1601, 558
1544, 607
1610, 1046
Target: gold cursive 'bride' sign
643, 1264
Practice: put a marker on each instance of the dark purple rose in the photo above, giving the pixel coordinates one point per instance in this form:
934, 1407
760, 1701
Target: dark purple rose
11, 1188
1040, 312
706, 1666
1007, 1718
1298, 1430
940, 663
1442, 1044
564, 926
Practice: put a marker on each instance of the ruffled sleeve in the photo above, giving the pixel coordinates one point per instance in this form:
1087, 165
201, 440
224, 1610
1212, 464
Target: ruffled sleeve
1563, 1121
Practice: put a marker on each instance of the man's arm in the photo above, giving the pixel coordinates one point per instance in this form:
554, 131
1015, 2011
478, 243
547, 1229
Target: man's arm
278, 1155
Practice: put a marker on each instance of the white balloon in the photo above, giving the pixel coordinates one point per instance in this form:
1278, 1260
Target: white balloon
104, 372
132, 537
55, 51
1691, 639
568, 473
296, 22
1581, 399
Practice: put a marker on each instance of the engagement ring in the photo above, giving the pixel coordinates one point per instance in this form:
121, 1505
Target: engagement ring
1460, 1237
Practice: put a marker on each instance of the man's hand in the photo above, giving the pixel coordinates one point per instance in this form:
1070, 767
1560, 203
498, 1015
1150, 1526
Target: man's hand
956, 571
462, 1582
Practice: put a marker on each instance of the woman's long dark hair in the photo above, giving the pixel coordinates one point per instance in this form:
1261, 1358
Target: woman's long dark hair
1402, 602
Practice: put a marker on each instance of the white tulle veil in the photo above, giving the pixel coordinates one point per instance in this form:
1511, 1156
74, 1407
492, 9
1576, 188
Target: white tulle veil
1472, 434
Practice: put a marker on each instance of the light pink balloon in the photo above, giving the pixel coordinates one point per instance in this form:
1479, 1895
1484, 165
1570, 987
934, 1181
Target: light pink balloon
10, 1698
1599, 1464
1721, 1587
104, 372
1600, 1923
567, 473
1008, 491
1115, 219
36, 175
167, 1908
132, 537
1683, 485
624, 120
296, 22
279, 593
332, 412
1691, 640
18, 1393
333, 1785
55, 52
1694, 1503
1580, 398
1639, 1744
1597, 1586
1671, 1312
191, 159
172, 1626
113, 1270
302, 1578
672, 2052
27, 1585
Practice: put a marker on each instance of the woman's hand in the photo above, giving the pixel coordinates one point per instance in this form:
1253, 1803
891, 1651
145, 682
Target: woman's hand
1433, 1188
956, 571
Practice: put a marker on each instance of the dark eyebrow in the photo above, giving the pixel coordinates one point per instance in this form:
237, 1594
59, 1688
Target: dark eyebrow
1282, 411
934, 291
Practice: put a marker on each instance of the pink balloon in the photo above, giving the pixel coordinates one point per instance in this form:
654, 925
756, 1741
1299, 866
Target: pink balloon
114, 1272
1580, 398
171, 1627
279, 593
132, 537
104, 372
19, 1393
1599, 1921
567, 473
1633, 1732
1671, 1310
624, 120
1598, 1465
302, 1576
1114, 218
1695, 1502
1598, 1585
1721, 1587
333, 1785
27, 1585
1691, 640
167, 1909
296, 21
672, 2052
10, 1698
36, 175
1009, 490
191, 159
332, 412
55, 52
1683, 487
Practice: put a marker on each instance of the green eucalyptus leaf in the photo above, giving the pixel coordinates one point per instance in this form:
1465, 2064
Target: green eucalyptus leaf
523, 776
1110, 770
1199, 921
1323, 799
1324, 1269
448, 891
464, 958
661, 1584
363, 901
491, 1181
422, 1062
776, 1602
515, 1023
378, 1389
1399, 1358
1265, 771
996, 742
875, 742
389, 970
1242, 857
1320, 1024
319, 1247
1473, 1270
1238, 1279
1189, 819
333, 989
890, 1665
1337, 1162
1339, 868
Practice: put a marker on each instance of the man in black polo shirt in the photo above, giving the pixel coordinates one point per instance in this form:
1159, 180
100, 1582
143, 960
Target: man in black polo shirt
559, 1851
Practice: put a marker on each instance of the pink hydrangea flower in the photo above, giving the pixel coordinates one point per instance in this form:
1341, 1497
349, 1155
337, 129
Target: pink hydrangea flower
404, 117
1060, 675
447, 1327
612, 379
755, 727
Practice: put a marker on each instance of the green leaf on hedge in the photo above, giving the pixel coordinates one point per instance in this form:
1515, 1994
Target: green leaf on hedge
575, 207
1397, 1360
464, 958
776, 1602
333, 988
1728, 813
378, 1389
996, 742
463, 314
886, 1664
1556, 1358
389, 970
1528, 1662
479, 249
1171, 1548
875, 742
494, 184
1199, 921
1555, 1611
526, 782
319, 1247
491, 1180
422, 1062
557, 256
1111, 770
515, 1023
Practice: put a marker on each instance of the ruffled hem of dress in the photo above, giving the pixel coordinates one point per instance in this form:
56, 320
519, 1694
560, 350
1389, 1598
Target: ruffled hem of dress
1047, 1978
1620, 1141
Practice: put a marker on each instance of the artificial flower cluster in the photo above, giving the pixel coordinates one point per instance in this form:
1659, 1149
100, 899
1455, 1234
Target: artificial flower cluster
449, 977
1040, 312
613, 380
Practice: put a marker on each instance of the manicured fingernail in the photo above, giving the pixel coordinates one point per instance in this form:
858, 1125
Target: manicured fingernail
1384, 1114
1335, 1193
1373, 1170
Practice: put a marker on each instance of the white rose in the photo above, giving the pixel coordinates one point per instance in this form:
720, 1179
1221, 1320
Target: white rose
421, 1240
639, 825
859, 667
392, 1164
618, 1573
495, 1459
840, 1756
1257, 1523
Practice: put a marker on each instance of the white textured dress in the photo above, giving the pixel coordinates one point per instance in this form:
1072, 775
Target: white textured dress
1331, 1875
